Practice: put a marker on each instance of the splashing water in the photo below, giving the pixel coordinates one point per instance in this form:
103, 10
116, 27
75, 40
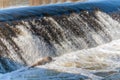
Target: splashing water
53, 36
67, 35
87, 64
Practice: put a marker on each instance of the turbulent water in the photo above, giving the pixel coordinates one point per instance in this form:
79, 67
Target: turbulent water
100, 63
30, 33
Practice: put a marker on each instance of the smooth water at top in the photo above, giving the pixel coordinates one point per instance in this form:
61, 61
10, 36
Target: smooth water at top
22, 3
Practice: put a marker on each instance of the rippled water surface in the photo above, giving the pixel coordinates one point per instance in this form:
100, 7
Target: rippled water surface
23, 3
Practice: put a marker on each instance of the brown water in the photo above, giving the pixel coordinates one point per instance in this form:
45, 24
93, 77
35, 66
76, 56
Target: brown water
9, 3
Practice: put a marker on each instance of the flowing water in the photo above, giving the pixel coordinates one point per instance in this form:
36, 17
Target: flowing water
30, 33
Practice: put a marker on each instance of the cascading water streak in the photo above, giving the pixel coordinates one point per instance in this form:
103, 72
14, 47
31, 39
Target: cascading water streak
25, 38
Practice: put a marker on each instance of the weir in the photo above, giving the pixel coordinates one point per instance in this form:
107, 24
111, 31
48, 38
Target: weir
30, 33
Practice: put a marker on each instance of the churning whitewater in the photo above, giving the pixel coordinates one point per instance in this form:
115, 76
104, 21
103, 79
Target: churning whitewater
73, 34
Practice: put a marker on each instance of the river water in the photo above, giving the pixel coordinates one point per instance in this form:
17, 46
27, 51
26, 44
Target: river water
82, 38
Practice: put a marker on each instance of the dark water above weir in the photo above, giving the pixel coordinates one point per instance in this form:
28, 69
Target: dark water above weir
58, 9
27, 34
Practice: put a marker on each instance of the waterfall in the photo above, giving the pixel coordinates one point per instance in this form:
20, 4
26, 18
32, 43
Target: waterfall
28, 34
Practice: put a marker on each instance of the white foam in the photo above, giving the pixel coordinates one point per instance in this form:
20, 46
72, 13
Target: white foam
75, 65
